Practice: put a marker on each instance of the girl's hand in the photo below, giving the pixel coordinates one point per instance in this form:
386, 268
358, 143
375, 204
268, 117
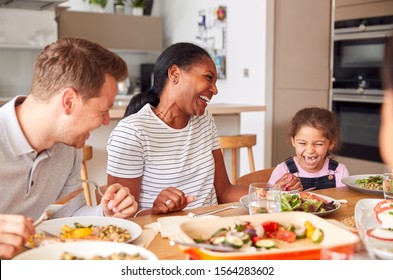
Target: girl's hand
171, 200
289, 182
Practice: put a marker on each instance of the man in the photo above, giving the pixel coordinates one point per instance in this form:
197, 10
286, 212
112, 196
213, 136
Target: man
74, 86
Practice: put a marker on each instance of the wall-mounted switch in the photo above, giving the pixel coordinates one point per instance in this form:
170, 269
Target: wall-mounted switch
245, 72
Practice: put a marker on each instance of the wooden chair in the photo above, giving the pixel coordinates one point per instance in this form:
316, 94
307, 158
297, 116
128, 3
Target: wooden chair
254, 177
234, 143
87, 154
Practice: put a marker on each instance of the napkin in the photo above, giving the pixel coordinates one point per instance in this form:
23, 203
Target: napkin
146, 237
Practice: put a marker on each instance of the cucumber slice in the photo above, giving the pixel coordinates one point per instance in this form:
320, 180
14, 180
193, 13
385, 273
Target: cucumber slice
233, 241
245, 238
317, 235
217, 240
265, 243
220, 232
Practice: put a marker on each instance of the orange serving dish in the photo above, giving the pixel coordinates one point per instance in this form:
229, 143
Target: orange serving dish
335, 239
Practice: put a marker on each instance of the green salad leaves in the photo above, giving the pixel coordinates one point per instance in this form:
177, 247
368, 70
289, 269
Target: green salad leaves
293, 202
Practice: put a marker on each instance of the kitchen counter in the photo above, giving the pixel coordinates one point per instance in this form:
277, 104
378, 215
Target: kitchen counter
117, 112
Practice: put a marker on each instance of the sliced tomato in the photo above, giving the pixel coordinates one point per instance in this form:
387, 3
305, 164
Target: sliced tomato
270, 226
308, 195
284, 235
383, 204
381, 210
380, 234
256, 238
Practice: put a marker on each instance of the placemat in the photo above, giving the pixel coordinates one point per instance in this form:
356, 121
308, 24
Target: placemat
350, 222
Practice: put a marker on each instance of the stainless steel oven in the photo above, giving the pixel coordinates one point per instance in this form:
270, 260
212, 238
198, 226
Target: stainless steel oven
357, 92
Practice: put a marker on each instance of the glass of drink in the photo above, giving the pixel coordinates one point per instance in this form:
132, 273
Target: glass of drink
264, 198
388, 182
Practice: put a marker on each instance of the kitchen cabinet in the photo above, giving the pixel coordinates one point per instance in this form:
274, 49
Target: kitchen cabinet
354, 9
113, 31
301, 63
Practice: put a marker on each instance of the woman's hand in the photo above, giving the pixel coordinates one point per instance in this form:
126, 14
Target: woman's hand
171, 200
15, 230
289, 182
118, 202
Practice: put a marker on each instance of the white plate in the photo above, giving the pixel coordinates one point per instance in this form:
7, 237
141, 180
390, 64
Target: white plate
365, 220
350, 181
54, 226
244, 201
84, 249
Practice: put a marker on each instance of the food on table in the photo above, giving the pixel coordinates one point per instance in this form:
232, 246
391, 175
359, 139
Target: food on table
306, 202
384, 215
114, 256
82, 232
269, 235
383, 204
371, 183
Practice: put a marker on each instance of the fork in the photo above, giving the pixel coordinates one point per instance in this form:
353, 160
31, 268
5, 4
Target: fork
48, 212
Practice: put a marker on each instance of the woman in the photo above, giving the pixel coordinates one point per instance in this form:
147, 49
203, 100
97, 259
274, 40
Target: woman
167, 150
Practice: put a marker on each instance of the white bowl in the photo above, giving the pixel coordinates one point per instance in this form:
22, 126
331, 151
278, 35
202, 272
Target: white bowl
83, 249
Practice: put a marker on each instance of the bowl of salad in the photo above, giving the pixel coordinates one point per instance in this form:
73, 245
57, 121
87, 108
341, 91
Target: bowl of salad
317, 204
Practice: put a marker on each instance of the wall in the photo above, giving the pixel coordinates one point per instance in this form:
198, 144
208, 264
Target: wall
246, 37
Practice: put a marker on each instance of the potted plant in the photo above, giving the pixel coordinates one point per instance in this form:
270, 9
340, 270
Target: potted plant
118, 6
137, 7
97, 5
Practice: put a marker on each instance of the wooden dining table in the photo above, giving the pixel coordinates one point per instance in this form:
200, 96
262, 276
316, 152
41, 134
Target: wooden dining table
164, 251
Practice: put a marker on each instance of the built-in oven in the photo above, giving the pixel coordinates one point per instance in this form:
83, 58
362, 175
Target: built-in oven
359, 120
357, 92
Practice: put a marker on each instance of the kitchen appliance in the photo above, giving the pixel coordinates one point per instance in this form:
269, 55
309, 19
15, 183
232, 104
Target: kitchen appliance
357, 92
358, 54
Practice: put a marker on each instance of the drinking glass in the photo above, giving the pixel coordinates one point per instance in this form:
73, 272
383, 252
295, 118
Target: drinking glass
388, 182
264, 198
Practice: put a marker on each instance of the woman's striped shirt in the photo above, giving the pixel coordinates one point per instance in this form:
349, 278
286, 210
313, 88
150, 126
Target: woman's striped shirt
143, 145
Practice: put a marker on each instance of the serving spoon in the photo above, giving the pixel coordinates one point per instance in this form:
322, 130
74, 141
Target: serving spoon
204, 246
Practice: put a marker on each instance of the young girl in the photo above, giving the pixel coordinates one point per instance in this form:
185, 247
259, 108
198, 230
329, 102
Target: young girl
315, 135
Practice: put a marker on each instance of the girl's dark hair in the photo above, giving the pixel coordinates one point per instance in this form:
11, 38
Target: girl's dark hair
319, 118
387, 70
181, 54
